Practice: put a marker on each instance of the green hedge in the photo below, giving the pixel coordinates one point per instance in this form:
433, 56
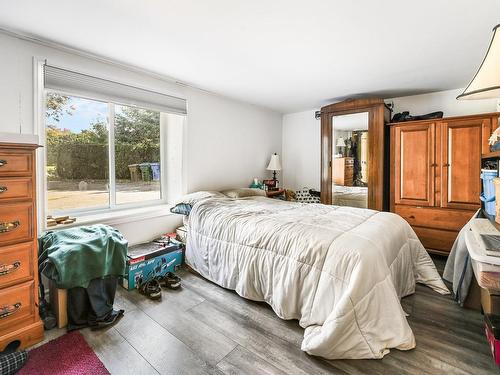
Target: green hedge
83, 161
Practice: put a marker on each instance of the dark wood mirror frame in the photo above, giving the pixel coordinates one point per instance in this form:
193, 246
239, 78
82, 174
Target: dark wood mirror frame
378, 115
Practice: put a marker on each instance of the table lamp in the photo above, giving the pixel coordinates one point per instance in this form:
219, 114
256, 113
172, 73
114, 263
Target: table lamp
341, 143
274, 165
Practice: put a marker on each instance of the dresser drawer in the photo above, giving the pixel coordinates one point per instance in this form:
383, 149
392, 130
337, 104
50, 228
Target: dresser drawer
14, 163
16, 222
438, 218
16, 264
16, 188
16, 305
436, 239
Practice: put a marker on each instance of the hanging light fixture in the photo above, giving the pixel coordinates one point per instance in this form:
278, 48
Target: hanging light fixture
486, 82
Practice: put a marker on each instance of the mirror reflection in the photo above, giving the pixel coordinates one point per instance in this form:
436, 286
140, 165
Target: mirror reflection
350, 160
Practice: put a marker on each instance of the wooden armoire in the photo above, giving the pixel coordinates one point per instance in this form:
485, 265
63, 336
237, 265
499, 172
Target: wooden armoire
435, 168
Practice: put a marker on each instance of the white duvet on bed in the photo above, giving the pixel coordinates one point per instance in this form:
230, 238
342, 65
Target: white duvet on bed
340, 271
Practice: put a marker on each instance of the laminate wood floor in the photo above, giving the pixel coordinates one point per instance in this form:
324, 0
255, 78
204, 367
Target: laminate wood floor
205, 329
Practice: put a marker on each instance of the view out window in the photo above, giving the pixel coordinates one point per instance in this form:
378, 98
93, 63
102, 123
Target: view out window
100, 154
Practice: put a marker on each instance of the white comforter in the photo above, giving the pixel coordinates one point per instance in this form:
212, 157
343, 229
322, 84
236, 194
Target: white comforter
340, 271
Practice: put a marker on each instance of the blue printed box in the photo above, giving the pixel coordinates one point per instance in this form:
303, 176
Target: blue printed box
150, 260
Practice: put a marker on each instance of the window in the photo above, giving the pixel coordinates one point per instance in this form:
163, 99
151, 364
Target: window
103, 150
79, 161
137, 154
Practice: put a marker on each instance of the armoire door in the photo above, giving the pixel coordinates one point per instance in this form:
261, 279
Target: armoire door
461, 147
414, 163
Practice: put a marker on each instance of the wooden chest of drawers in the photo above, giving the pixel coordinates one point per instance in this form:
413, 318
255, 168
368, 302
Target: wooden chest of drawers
343, 171
19, 319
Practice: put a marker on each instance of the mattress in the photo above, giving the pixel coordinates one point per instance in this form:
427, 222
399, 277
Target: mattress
340, 271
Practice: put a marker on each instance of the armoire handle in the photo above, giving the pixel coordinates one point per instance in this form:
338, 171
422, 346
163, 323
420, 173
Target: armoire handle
3, 162
3, 189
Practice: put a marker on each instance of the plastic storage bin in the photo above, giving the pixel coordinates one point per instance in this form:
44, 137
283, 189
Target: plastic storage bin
496, 182
145, 171
486, 267
155, 170
488, 275
488, 194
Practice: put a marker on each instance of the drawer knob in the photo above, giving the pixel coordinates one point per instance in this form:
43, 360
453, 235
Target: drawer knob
3, 162
411, 217
8, 310
9, 226
5, 269
3, 189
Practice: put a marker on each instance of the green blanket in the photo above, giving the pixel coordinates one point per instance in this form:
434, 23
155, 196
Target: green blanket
73, 257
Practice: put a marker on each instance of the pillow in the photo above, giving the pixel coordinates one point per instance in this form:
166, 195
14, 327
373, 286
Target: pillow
244, 192
185, 204
181, 209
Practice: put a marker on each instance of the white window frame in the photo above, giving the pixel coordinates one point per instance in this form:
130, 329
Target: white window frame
39, 110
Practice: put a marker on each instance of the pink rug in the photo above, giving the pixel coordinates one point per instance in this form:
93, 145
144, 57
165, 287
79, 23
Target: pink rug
69, 355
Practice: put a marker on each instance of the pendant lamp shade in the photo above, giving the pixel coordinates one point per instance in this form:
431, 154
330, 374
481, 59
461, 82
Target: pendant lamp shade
274, 163
486, 82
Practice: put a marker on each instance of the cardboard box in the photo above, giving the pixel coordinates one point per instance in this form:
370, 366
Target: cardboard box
59, 303
150, 260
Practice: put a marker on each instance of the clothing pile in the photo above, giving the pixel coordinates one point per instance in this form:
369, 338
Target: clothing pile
87, 261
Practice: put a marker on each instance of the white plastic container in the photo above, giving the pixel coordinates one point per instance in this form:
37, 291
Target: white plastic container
486, 267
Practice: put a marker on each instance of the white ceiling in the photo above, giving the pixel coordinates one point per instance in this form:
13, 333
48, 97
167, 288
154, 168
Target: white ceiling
288, 55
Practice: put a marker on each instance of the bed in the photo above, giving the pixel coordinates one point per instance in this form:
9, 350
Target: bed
354, 196
340, 271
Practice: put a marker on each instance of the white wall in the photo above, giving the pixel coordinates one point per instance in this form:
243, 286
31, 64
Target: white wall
301, 150
301, 132
442, 101
227, 143
230, 143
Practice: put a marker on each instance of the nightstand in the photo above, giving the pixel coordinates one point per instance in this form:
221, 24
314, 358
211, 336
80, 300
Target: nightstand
275, 193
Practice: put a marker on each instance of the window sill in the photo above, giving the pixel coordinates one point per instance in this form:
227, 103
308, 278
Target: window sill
118, 217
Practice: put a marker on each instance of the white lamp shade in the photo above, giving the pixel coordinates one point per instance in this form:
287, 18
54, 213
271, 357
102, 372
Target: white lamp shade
341, 142
486, 82
274, 163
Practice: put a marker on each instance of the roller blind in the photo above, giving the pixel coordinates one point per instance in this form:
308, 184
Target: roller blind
101, 89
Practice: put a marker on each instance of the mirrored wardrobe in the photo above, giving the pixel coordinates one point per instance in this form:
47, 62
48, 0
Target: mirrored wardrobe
352, 153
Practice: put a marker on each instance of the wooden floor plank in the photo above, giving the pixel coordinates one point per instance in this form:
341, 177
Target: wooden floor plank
243, 362
200, 337
116, 353
282, 354
161, 349
259, 313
